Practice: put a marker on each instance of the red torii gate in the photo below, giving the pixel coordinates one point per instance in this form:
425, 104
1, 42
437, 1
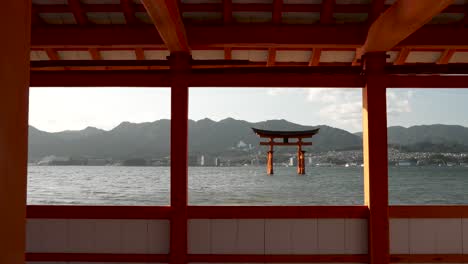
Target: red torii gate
286, 135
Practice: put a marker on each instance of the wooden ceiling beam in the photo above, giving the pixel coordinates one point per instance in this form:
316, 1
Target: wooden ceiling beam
376, 8
78, 12
399, 21
227, 11
326, 13
401, 59
167, 20
315, 57
240, 36
210, 7
129, 11
277, 11
446, 56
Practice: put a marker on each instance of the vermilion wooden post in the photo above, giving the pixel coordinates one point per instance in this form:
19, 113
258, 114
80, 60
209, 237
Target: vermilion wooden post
180, 66
15, 23
375, 157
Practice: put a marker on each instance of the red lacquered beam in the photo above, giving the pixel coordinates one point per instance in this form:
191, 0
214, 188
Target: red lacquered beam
98, 212
96, 257
252, 212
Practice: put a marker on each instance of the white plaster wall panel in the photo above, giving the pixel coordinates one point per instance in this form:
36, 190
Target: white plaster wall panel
47, 235
465, 235
37, 55
108, 236
81, 235
50, 2
223, 236
252, 1
159, 233
293, 55
98, 18
331, 236
337, 56
251, 55
459, 57
300, 17
449, 236
252, 17
356, 236
208, 54
441, 236
202, 1
94, 2
134, 236
278, 236
33, 235
399, 236
118, 55
199, 235
423, 56
423, 234
143, 17
251, 236
74, 55
347, 2
295, 2
156, 54
304, 236
202, 17
58, 18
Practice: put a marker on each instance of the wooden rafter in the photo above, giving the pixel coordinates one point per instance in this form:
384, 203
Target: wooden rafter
446, 56
78, 12
166, 17
271, 57
399, 21
129, 11
277, 11
227, 11
401, 59
95, 54
315, 57
228, 53
52, 54
140, 54
326, 14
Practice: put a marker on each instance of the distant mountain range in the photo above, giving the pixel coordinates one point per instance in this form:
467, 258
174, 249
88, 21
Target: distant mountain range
152, 139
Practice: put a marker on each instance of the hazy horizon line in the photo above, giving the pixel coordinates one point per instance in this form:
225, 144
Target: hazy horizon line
217, 121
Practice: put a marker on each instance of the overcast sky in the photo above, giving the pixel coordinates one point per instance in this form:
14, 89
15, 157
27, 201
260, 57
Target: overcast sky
55, 109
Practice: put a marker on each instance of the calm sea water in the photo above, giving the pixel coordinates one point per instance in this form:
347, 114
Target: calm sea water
240, 186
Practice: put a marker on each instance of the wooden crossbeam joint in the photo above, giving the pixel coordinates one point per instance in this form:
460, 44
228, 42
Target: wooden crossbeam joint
166, 17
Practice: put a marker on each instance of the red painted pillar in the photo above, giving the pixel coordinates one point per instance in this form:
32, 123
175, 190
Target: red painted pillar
375, 157
15, 25
180, 67
270, 161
